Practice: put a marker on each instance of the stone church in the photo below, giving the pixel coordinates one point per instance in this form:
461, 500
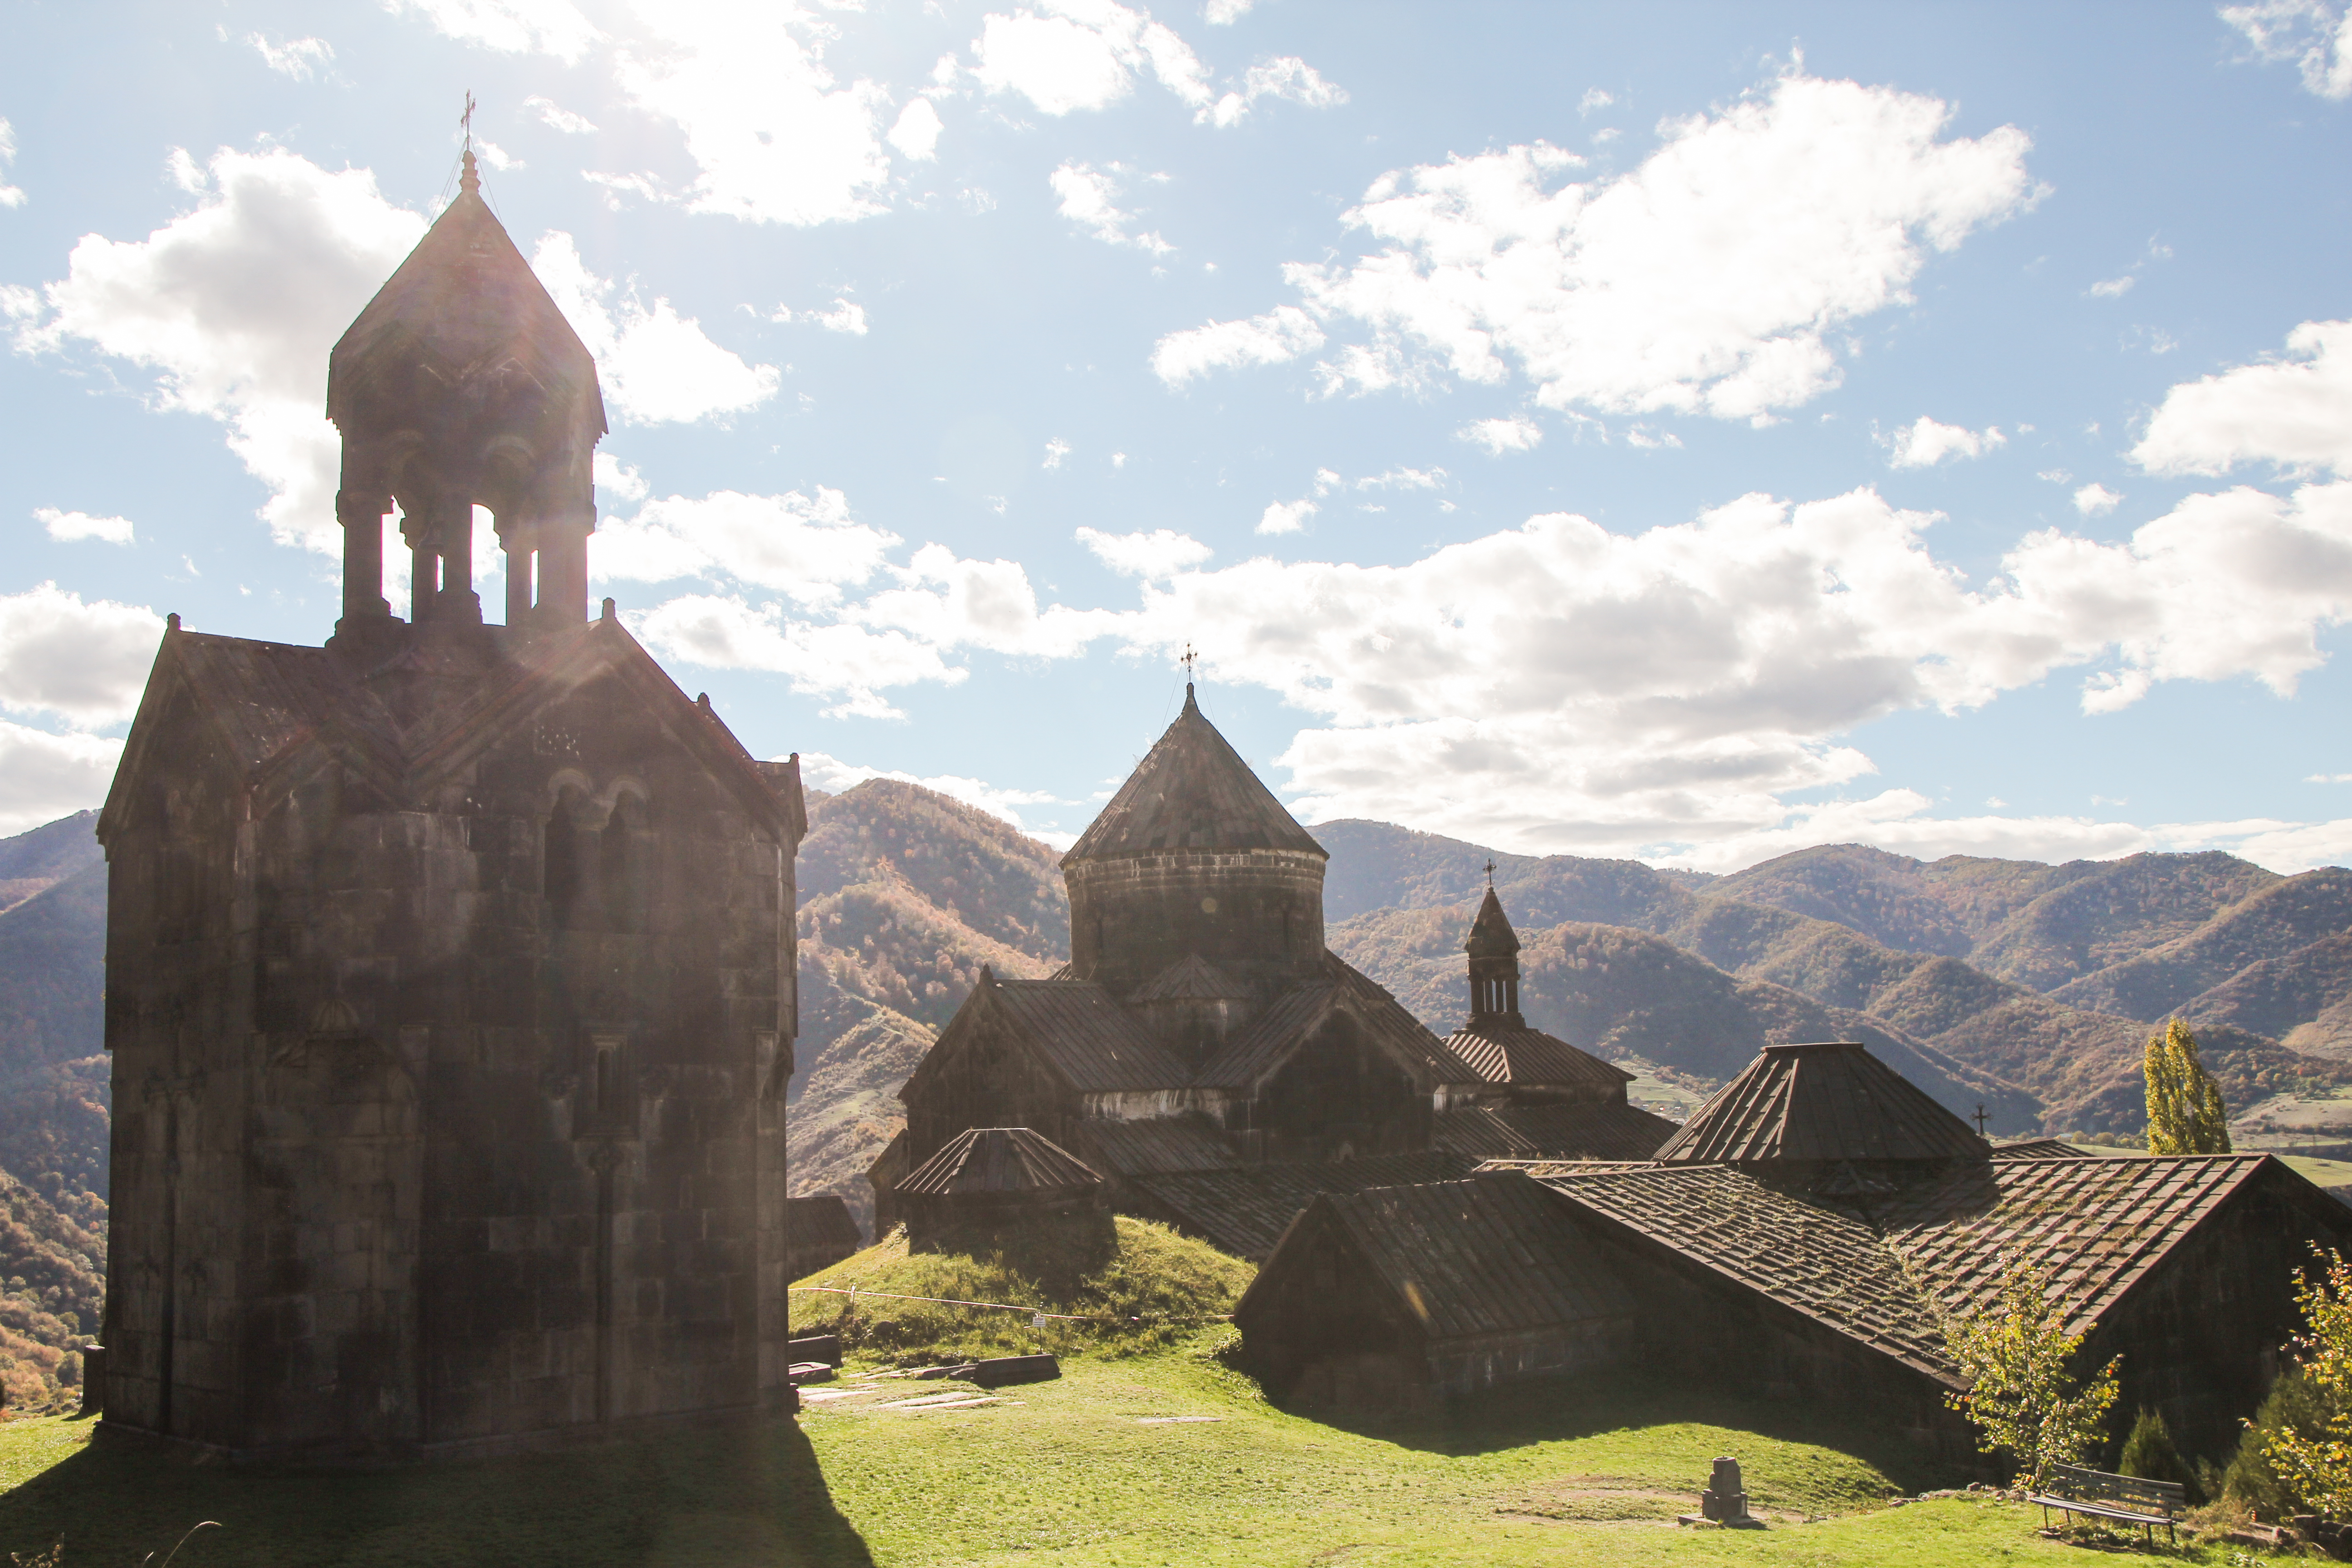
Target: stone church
450, 965
1213, 1060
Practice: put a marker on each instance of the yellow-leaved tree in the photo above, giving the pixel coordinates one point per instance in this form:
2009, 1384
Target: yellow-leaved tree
2023, 1396
2319, 1469
2185, 1113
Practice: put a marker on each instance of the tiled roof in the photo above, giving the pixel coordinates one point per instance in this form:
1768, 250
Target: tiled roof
1491, 935
1244, 1210
1821, 1102
1270, 1038
1818, 1261
1191, 978
1192, 790
1606, 1131
1500, 1053
267, 696
1542, 1168
1086, 1036
2039, 1149
2094, 1226
822, 1219
1484, 1254
1164, 1143
984, 1161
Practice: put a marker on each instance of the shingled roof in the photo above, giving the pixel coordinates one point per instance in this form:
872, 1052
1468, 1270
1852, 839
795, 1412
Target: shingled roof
999, 1162
1157, 1144
1244, 1210
1484, 1254
1606, 1131
1822, 1101
1191, 978
1501, 1054
1192, 790
1084, 1036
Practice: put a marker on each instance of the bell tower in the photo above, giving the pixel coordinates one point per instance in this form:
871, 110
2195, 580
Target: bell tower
461, 386
1494, 949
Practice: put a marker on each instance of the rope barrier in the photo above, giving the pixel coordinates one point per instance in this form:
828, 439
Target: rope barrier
1003, 1307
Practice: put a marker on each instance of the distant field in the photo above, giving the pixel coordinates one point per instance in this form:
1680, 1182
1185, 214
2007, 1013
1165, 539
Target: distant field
1088, 1470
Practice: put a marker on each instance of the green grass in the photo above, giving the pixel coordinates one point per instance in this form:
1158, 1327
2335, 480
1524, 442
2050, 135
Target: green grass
1064, 1473
1141, 1287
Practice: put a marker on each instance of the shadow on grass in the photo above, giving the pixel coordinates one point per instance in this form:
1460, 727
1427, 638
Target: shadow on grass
748, 1492
1554, 1411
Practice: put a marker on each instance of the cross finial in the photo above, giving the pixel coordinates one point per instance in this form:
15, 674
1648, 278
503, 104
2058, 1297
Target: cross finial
468, 179
1189, 659
1980, 1119
1490, 871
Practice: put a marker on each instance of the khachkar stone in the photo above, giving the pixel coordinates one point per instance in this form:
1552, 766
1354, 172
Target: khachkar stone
451, 985
1725, 1501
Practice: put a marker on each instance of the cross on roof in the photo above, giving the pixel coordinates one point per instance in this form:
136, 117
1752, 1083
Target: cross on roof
1189, 659
466, 120
1980, 1119
1490, 871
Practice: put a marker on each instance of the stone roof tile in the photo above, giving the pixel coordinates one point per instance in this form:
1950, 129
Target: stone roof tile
1822, 1101
1244, 1210
1192, 790
993, 1161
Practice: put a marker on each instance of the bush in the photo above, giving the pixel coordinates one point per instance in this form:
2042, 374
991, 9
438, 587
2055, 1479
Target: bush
2148, 1454
2295, 1405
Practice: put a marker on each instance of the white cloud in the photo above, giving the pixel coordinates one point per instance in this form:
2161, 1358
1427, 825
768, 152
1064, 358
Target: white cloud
844, 661
45, 776
809, 549
2097, 501
1161, 553
830, 773
85, 663
1287, 516
846, 316
1088, 199
1924, 443
2295, 412
1594, 97
656, 366
511, 26
296, 57
1055, 450
1496, 437
68, 526
1710, 278
772, 137
10, 196
1288, 79
915, 133
1225, 12
618, 479
2316, 35
560, 118
1403, 479
2113, 288
1281, 334
234, 305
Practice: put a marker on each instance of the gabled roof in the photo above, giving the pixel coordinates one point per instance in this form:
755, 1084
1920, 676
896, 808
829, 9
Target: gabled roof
2094, 1226
1073, 1028
1500, 1053
464, 307
1297, 1012
1484, 1254
2039, 1149
1821, 1102
999, 1162
1245, 1209
1604, 1132
1158, 1145
278, 710
1192, 790
1491, 935
1191, 978
823, 1217
1819, 1262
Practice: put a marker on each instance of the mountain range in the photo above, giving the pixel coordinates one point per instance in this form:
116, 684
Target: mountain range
2023, 988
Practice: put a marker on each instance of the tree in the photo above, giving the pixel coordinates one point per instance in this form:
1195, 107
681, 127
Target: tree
2022, 1397
2318, 1469
2185, 1113
2149, 1454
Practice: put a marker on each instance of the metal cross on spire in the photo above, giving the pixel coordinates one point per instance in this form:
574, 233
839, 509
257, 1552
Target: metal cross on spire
467, 121
1980, 1119
1490, 871
470, 179
1189, 659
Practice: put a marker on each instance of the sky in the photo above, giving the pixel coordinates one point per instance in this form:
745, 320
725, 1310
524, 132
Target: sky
1679, 432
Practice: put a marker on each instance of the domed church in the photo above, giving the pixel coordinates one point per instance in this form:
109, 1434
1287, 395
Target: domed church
1213, 1060
450, 965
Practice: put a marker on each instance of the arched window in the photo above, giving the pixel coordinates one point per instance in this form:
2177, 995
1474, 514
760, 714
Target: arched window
565, 859
625, 861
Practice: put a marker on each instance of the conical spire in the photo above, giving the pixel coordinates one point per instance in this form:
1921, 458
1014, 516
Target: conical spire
1491, 935
1820, 1103
1192, 790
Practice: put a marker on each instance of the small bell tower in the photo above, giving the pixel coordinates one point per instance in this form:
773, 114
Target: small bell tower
460, 385
1494, 949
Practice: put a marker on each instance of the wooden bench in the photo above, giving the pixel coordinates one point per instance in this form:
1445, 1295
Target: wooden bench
2073, 1489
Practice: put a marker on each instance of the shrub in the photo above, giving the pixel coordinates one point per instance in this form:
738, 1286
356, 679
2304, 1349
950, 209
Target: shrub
2294, 1405
2148, 1452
